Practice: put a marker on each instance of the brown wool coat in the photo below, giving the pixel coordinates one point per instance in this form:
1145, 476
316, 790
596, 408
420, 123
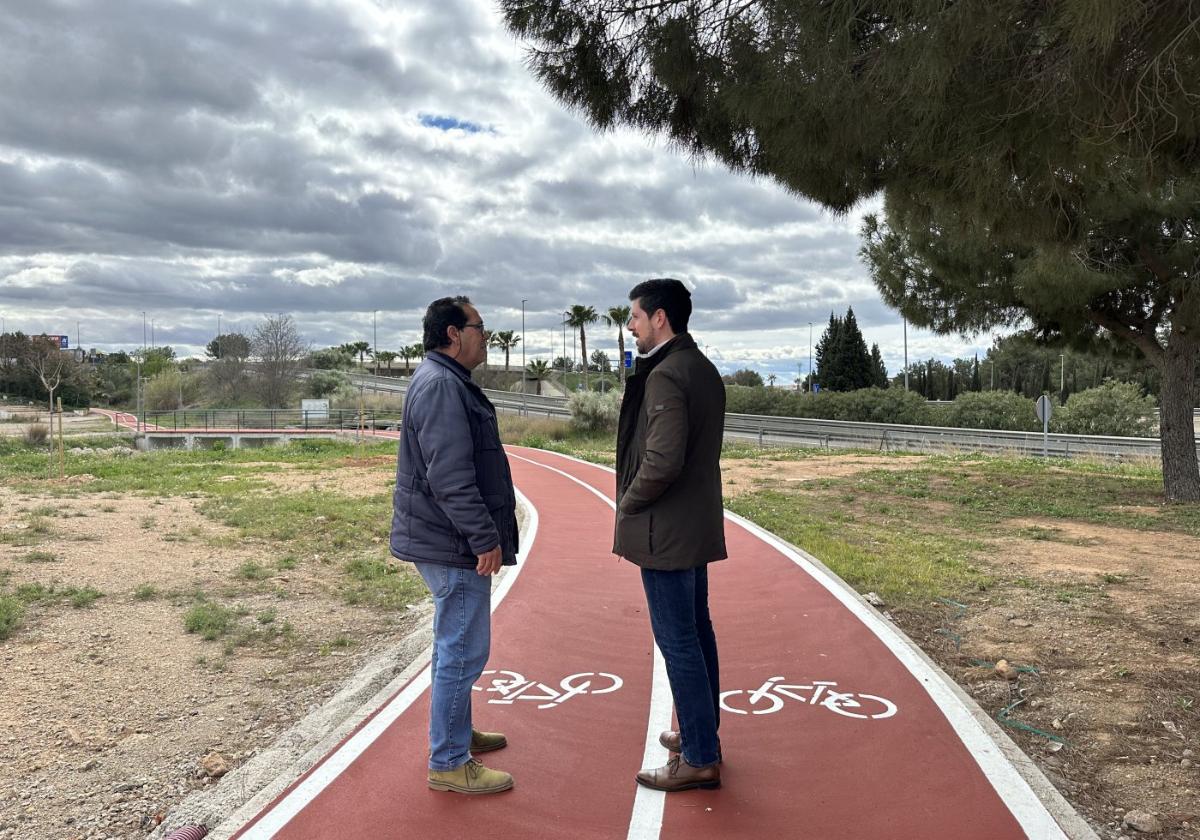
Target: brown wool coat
670, 515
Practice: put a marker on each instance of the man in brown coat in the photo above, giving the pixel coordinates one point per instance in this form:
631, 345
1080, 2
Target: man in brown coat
670, 519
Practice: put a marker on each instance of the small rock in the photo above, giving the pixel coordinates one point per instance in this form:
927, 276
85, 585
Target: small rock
1187, 762
1187, 753
873, 599
1143, 822
1020, 622
1006, 671
214, 765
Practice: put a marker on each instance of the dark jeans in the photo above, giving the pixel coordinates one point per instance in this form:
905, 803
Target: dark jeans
678, 603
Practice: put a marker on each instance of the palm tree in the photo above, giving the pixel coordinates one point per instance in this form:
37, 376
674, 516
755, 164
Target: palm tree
387, 357
771, 380
359, 347
537, 370
411, 351
580, 316
618, 316
505, 340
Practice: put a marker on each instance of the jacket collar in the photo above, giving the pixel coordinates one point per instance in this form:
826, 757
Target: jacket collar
445, 361
682, 341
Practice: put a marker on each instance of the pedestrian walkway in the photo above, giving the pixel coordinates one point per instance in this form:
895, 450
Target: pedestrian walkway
833, 725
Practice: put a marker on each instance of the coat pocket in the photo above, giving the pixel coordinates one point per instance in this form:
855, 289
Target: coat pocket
635, 533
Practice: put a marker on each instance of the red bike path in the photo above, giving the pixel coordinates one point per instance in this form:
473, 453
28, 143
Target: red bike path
863, 739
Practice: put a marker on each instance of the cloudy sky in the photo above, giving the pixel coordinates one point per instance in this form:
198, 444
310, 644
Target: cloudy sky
330, 159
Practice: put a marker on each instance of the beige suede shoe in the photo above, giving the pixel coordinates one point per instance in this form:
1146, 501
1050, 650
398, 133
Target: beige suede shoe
487, 741
471, 778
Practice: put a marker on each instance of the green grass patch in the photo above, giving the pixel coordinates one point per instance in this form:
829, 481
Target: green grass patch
313, 519
381, 584
172, 472
11, 614
210, 620
55, 592
902, 564
145, 592
252, 571
39, 557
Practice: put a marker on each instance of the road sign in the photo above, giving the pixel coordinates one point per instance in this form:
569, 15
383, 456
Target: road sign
60, 339
1044, 408
628, 358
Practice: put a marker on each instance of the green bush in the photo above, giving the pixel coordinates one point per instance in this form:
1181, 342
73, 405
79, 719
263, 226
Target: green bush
594, 413
210, 620
325, 383
872, 405
993, 410
11, 613
867, 405
164, 391
1114, 408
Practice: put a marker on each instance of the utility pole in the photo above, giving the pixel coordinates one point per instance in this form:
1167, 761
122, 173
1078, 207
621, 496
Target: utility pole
906, 354
810, 369
524, 407
218, 335
374, 340
1062, 377
143, 336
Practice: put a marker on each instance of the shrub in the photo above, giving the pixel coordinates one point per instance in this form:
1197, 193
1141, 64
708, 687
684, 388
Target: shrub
1114, 408
594, 413
11, 613
325, 383
36, 434
164, 391
210, 620
993, 410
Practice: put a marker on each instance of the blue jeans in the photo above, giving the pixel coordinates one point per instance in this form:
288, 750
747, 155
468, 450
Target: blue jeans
462, 637
678, 604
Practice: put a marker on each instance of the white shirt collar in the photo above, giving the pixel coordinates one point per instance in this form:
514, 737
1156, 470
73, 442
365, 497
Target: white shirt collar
657, 347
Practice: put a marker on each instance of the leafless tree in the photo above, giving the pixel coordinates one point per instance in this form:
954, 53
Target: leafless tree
278, 350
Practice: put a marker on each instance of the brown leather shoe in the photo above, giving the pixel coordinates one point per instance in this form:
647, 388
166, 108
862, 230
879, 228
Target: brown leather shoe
677, 774
671, 740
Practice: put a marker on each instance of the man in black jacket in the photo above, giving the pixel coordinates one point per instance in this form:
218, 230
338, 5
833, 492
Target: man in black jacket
670, 517
454, 517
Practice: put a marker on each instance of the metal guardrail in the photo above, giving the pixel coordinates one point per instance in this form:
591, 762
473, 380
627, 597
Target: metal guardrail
840, 434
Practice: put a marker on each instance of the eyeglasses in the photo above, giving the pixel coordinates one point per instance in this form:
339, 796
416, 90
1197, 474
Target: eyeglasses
478, 326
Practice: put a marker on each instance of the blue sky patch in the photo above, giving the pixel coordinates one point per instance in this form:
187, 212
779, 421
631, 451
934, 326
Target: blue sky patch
448, 123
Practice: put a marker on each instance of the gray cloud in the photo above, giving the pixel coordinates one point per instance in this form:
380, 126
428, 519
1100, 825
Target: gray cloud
213, 157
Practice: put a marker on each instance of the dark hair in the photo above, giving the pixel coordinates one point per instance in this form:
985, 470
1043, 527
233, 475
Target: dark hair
442, 314
666, 294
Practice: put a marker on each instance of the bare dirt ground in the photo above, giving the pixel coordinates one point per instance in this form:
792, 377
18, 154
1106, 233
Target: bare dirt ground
105, 712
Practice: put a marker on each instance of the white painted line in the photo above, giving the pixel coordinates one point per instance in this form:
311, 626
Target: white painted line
645, 822
304, 793
1011, 787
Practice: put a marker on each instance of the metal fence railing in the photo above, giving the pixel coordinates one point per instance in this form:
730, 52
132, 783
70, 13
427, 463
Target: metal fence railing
266, 419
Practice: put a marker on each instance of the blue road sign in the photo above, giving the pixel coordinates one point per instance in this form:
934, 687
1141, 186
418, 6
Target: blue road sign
628, 358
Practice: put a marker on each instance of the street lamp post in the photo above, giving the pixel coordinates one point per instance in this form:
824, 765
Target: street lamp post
218, 335
524, 407
905, 354
992, 362
143, 335
566, 317
1062, 377
374, 340
810, 370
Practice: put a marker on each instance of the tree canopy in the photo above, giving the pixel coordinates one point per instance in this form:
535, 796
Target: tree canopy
1039, 162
